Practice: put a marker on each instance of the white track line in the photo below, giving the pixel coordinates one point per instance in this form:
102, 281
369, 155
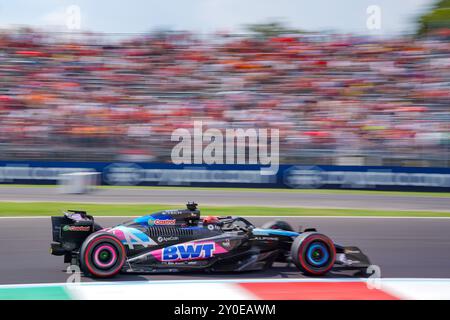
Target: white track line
237, 280
162, 291
403, 288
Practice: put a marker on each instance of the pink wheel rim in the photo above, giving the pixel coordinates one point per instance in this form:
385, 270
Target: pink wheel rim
108, 248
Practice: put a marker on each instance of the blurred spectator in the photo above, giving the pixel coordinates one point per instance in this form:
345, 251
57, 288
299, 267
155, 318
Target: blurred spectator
96, 98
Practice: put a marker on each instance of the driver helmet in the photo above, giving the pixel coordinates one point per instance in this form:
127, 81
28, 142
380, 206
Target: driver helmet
210, 220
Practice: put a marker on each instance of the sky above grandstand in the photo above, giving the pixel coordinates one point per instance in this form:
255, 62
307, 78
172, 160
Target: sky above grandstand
207, 16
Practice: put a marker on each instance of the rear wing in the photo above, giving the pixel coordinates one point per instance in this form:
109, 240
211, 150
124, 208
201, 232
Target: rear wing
71, 229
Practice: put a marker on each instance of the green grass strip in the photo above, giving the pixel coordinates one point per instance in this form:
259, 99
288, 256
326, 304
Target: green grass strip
56, 208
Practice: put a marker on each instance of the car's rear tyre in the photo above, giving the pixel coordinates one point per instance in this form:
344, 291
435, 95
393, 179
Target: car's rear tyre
102, 255
313, 253
277, 225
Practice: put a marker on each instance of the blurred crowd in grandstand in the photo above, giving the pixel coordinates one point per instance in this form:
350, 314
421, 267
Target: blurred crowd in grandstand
92, 97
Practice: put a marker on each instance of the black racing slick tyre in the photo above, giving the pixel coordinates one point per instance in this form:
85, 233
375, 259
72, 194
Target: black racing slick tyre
277, 225
102, 255
313, 253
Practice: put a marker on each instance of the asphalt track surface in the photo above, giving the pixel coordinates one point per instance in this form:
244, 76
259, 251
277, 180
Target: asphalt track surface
401, 247
233, 197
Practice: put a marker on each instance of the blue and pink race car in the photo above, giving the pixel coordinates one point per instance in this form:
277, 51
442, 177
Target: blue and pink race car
180, 240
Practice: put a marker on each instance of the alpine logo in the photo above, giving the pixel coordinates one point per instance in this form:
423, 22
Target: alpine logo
189, 251
159, 222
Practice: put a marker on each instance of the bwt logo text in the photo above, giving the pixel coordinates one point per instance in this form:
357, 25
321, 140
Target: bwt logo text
230, 149
188, 251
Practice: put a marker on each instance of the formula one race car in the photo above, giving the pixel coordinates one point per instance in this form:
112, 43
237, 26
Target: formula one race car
179, 240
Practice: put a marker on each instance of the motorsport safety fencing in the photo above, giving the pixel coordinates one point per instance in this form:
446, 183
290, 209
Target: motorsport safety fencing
288, 176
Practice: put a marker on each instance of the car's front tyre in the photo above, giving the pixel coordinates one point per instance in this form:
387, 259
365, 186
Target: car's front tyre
102, 255
313, 253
